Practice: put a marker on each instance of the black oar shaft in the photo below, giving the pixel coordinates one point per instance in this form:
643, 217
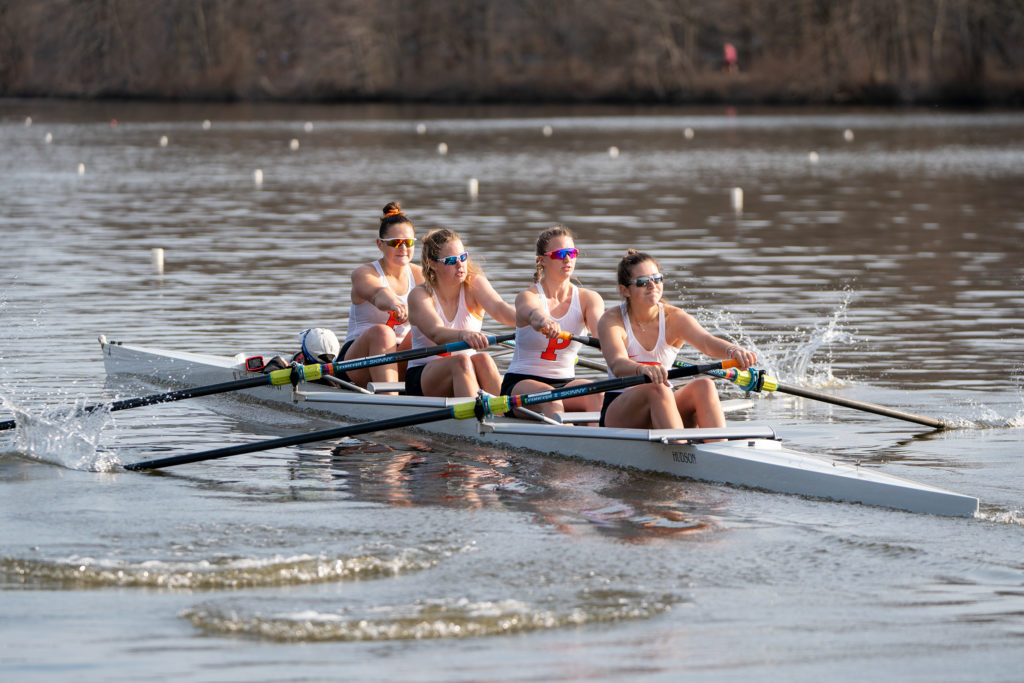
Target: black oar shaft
861, 405
323, 435
494, 404
315, 372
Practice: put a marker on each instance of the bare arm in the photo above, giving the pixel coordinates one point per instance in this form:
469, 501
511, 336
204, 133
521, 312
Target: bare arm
529, 313
683, 327
593, 308
367, 286
423, 315
486, 297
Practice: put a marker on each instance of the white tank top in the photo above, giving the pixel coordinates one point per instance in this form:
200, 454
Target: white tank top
464, 320
366, 315
536, 354
662, 354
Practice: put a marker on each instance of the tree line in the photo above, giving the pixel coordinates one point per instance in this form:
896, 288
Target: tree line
673, 51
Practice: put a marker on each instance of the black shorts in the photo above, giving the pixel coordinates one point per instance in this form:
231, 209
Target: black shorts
413, 387
609, 396
514, 378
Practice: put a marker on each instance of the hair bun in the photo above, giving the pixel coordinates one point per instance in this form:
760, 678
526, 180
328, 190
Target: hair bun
630, 252
392, 209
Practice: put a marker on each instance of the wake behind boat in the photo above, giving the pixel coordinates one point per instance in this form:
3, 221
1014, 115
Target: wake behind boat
749, 455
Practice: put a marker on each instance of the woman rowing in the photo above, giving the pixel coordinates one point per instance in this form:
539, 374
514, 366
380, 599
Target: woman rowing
449, 307
642, 336
551, 306
378, 318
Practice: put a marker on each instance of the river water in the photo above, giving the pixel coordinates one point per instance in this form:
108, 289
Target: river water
884, 264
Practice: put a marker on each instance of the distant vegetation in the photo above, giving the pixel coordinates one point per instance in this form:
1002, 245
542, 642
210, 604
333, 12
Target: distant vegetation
788, 51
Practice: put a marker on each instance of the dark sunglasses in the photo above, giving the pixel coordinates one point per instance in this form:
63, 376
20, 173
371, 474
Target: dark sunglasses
452, 260
560, 254
398, 241
645, 280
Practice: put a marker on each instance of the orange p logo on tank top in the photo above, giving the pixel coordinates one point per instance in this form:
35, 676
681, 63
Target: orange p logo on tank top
553, 346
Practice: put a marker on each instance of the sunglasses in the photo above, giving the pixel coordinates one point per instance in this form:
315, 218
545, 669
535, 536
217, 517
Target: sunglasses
560, 254
645, 280
398, 241
452, 260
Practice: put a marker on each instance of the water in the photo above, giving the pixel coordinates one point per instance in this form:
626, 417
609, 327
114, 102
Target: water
888, 271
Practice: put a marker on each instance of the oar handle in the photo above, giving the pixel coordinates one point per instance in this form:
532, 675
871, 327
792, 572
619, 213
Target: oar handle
584, 339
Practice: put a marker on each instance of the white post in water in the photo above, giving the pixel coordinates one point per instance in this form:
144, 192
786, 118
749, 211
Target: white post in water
158, 260
737, 199
474, 187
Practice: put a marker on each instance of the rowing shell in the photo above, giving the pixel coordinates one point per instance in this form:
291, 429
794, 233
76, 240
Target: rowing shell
751, 455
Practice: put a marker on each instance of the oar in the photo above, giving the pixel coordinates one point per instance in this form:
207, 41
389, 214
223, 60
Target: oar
758, 380
478, 408
294, 375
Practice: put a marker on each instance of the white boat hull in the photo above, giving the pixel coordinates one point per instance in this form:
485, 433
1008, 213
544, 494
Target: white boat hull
751, 456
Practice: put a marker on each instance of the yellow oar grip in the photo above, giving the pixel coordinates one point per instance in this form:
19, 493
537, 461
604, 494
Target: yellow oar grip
283, 376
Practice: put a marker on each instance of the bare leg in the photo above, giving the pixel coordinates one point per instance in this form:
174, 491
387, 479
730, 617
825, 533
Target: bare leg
375, 341
698, 403
648, 406
487, 375
449, 376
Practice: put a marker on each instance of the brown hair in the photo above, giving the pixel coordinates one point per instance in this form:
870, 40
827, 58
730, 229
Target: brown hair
557, 230
432, 245
632, 258
392, 216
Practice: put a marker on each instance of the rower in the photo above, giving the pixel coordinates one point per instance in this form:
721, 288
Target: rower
551, 306
449, 307
378, 317
642, 336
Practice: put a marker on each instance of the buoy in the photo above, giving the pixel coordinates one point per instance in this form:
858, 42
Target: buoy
613, 152
474, 187
308, 127
257, 177
421, 128
157, 255
206, 124
48, 138
28, 121
442, 148
547, 131
813, 157
293, 145
113, 123
688, 133
848, 135
737, 199
163, 140
81, 169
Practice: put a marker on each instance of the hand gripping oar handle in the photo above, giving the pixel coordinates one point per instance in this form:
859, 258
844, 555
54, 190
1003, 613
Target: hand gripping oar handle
758, 380
292, 375
460, 411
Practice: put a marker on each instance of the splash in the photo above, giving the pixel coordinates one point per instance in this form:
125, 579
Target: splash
65, 436
805, 357
76, 573
1011, 517
430, 619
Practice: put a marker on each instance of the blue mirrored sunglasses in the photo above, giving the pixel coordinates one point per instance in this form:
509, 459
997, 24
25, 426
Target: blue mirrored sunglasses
645, 280
452, 260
